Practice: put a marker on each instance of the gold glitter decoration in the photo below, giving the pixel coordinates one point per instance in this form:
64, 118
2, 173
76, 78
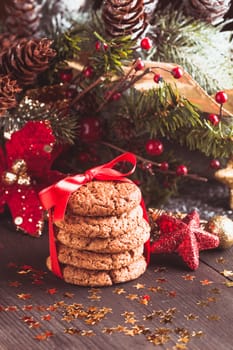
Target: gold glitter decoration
226, 177
222, 227
17, 174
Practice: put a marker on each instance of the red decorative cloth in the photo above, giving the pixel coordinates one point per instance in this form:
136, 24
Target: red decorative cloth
183, 236
55, 197
25, 168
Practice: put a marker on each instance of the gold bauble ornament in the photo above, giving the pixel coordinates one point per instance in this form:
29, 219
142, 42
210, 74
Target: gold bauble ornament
221, 226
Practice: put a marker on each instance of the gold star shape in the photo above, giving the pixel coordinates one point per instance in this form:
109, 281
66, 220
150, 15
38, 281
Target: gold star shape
225, 176
139, 286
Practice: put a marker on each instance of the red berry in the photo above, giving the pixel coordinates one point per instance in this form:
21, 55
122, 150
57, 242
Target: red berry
221, 97
181, 170
158, 78
70, 93
214, 119
66, 76
116, 96
146, 297
105, 46
88, 71
90, 129
215, 164
98, 45
140, 64
146, 43
164, 166
177, 72
154, 147
83, 157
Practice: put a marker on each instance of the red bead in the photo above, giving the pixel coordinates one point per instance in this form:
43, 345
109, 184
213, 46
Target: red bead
88, 71
154, 147
146, 43
214, 119
221, 97
215, 164
181, 170
177, 72
66, 76
90, 129
140, 64
164, 166
158, 78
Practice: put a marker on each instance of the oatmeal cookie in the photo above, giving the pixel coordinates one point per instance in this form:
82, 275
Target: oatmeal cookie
102, 278
127, 241
104, 198
101, 226
97, 261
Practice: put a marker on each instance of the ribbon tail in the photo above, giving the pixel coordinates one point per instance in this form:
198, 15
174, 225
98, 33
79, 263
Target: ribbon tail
53, 249
147, 248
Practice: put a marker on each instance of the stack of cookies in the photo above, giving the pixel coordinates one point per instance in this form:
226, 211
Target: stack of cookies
101, 240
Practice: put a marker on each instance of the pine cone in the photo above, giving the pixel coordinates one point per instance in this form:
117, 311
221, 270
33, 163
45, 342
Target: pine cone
8, 91
22, 17
6, 41
211, 11
26, 59
126, 17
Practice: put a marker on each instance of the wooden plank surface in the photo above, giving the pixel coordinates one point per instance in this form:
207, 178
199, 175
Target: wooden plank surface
169, 307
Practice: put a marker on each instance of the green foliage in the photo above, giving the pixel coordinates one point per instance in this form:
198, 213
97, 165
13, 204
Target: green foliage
64, 122
164, 113
201, 48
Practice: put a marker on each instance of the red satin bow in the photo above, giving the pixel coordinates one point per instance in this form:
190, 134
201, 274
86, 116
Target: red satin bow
55, 198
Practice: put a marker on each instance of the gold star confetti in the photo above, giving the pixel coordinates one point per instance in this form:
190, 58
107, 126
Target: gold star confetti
46, 317
206, 282
14, 284
132, 296
52, 291
94, 296
184, 339
213, 317
24, 296
160, 269
229, 284
221, 260
44, 336
188, 277
139, 286
68, 295
215, 290
88, 333
119, 291
227, 273
11, 308
191, 317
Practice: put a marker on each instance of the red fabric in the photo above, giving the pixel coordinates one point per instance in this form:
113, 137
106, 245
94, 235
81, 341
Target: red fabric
55, 198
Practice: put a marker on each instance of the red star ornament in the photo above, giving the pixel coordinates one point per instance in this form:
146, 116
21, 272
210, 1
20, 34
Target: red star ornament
25, 166
183, 236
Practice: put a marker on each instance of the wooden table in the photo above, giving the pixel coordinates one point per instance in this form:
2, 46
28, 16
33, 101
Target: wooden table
169, 307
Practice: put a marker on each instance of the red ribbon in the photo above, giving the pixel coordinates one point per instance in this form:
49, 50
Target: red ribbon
55, 198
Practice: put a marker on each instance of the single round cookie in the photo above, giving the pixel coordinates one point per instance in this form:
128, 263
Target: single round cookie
119, 244
97, 261
90, 278
104, 198
100, 226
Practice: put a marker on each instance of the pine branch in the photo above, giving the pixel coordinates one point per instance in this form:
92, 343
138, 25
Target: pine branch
192, 43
